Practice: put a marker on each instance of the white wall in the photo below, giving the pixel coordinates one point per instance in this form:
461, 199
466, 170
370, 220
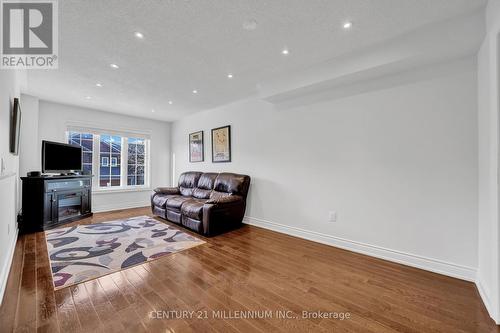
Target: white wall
29, 155
10, 82
53, 121
488, 108
28, 150
399, 165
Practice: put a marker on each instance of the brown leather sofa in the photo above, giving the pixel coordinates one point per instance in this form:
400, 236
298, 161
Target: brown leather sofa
208, 203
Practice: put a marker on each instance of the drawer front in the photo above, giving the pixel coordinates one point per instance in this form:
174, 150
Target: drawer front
56, 186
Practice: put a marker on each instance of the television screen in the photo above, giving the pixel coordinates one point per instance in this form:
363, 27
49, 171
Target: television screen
15, 127
61, 157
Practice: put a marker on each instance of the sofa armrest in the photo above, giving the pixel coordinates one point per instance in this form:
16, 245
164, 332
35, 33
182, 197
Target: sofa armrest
225, 200
166, 190
223, 213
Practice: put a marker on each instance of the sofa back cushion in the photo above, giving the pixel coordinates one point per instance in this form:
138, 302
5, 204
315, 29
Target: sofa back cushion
188, 181
216, 195
205, 185
231, 184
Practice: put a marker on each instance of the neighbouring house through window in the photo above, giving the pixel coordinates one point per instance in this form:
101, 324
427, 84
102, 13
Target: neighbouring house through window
116, 161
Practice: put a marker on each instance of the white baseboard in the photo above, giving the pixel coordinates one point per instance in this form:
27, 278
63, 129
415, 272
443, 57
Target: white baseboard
487, 302
4, 273
125, 205
433, 265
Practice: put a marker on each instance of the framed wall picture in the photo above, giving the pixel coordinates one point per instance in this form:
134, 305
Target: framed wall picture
196, 147
221, 144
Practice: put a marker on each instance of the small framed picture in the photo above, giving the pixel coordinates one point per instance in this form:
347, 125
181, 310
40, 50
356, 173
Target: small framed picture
221, 144
196, 147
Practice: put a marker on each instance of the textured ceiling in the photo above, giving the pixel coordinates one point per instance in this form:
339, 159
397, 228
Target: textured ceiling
192, 44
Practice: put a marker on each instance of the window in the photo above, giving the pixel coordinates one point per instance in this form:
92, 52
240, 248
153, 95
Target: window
117, 161
86, 141
136, 161
110, 150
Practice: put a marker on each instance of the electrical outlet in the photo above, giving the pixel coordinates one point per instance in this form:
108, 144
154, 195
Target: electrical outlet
332, 216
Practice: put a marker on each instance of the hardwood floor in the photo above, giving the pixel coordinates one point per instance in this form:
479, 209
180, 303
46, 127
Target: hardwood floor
250, 269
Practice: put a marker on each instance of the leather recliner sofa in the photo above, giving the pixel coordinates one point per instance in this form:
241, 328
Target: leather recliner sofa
208, 203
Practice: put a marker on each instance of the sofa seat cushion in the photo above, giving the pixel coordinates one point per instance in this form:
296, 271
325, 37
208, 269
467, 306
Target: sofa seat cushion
160, 200
175, 202
193, 208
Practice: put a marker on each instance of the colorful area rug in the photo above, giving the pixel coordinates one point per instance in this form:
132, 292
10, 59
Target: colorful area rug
86, 252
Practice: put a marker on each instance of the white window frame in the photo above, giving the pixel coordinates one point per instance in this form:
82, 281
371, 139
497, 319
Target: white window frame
96, 159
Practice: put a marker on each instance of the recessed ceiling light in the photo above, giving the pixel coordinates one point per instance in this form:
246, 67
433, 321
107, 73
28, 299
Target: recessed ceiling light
153, 110
347, 25
170, 102
115, 66
250, 25
285, 52
88, 97
195, 91
99, 85
138, 35
229, 76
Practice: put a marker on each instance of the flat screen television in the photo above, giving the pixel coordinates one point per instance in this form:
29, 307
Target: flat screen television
60, 157
15, 127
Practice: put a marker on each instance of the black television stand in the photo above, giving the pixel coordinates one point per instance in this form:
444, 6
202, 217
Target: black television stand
51, 201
